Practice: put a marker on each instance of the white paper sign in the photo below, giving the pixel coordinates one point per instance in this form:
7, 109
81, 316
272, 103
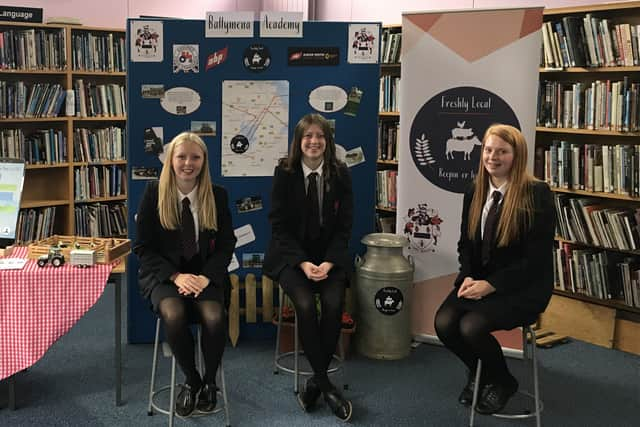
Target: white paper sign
146, 41
234, 264
244, 235
228, 24
364, 42
355, 156
328, 99
281, 24
180, 100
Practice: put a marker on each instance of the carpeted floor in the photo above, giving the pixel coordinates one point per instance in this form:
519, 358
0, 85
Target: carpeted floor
72, 385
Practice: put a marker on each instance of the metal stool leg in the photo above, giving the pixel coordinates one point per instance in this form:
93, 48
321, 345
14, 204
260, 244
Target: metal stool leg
224, 395
154, 366
536, 389
295, 355
278, 330
342, 359
476, 389
199, 351
172, 391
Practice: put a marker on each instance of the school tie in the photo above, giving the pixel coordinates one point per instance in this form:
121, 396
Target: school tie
189, 248
313, 208
490, 226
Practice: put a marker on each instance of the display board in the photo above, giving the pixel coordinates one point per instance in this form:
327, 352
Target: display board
244, 94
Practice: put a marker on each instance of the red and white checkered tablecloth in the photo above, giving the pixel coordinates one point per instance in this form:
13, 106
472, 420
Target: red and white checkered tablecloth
39, 305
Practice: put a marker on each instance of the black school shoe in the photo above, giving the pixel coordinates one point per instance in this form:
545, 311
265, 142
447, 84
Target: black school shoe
308, 397
466, 395
495, 396
340, 406
208, 398
186, 401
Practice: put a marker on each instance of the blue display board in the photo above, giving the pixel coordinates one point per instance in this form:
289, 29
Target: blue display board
236, 63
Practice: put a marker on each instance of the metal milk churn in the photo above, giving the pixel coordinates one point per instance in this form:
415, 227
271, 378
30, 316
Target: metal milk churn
384, 281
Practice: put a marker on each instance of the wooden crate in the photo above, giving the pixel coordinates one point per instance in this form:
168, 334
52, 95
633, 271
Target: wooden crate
107, 249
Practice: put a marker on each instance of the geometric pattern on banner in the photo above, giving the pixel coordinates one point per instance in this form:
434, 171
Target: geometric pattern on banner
490, 30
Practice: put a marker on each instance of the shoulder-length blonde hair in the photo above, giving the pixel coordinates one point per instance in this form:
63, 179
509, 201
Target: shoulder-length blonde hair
517, 207
170, 216
331, 162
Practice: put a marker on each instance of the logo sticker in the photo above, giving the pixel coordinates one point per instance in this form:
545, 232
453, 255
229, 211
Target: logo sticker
257, 57
217, 58
313, 56
185, 58
389, 300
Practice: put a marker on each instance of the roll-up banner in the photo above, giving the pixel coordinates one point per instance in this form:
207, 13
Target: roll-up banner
461, 72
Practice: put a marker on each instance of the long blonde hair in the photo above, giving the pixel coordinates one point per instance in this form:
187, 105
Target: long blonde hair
170, 216
517, 207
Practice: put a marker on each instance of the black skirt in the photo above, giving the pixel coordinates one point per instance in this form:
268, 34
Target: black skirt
170, 290
503, 310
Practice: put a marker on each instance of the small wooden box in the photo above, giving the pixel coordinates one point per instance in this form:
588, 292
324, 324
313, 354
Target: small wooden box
107, 249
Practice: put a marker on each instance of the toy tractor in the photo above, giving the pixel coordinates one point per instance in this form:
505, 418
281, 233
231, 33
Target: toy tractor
54, 257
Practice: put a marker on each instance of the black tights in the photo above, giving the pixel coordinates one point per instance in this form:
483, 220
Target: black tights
175, 313
319, 337
468, 335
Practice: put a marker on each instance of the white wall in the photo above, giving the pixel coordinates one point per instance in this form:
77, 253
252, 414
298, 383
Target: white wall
390, 11
113, 13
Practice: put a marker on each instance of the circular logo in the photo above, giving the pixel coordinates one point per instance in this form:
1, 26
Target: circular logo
239, 144
256, 57
389, 300
445, 138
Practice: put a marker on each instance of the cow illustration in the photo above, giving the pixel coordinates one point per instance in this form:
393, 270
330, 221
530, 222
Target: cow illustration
462, 140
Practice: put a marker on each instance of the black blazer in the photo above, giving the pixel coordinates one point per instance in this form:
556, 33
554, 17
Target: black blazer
288, 217
159, 250
521, 272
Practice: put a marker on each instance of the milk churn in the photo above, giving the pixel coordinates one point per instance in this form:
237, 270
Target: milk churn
384, 281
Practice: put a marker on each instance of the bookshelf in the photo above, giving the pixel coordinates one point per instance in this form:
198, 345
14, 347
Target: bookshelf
388, 123
75, 180
587, 149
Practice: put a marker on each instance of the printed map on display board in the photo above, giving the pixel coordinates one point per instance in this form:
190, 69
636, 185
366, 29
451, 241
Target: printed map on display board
255, 126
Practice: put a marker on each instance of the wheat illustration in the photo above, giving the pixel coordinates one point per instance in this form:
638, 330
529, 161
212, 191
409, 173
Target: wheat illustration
423, 151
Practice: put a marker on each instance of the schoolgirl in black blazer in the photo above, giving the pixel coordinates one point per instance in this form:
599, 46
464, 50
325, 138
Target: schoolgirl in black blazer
185, 241
506, 264
311, 217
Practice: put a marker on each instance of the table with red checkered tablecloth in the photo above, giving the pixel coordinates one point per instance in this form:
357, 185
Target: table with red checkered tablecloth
39, 305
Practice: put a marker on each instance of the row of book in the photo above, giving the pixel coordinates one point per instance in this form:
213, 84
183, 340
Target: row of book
601, 105
386, 194
598, 274
96, 145
21, 100
35, 224
33, 49
98, 52
592, 222
589, 41
388, 134
92, 182
390, 44
103, 100
101, 220
41, 146
389, 94
593, 167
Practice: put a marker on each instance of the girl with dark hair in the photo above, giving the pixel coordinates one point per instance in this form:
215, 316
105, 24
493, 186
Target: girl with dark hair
311, 217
